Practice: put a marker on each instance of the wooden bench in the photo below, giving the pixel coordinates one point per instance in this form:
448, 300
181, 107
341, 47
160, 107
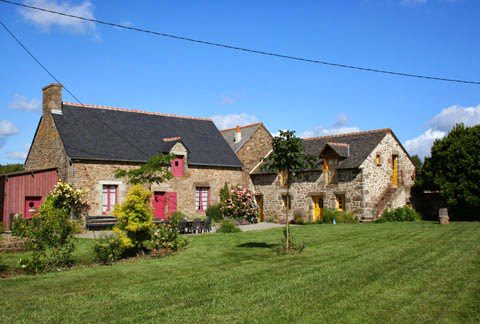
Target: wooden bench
100, 222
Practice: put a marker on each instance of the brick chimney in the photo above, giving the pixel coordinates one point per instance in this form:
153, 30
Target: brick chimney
238, 134
52, 99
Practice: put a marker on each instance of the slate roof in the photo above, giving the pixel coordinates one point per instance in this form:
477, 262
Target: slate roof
112, 134
342, 149
247, 132
360, 145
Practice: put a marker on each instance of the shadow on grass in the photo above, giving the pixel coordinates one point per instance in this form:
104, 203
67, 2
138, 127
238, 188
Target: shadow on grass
261, 245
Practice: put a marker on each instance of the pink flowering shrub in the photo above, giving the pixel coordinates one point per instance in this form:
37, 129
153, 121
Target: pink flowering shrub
240, 205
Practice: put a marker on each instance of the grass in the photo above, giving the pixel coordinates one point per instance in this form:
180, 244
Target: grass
412, 272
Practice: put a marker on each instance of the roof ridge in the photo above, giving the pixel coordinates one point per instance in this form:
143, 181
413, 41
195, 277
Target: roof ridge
348, 134
132, 110
249, 125
337, 144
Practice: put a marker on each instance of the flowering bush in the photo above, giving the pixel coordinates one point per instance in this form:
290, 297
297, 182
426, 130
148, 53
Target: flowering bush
109, 249
72, 200
240, 205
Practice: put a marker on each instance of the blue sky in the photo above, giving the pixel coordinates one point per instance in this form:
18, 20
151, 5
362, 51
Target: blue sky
108, 66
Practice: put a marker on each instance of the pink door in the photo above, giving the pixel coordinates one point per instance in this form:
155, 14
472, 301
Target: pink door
31, 205
159, 205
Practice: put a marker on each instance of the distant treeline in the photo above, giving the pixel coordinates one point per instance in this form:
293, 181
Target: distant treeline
7, 168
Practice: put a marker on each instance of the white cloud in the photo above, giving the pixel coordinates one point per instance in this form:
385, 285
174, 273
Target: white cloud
412, 3
16, 155
229, 121
421, 145
440, 125
23, 103
453, 115
46, 21
6, 129
338, 127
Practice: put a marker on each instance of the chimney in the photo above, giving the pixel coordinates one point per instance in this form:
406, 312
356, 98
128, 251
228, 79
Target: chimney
238, 135
52, 99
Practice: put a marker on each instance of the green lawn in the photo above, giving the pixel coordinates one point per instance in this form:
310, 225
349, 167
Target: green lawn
420, 272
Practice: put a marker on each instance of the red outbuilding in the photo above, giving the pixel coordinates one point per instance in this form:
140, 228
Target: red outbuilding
23, 192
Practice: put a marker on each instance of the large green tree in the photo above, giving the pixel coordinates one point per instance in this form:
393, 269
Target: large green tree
154, 171
454, 169
7, 168
288, 158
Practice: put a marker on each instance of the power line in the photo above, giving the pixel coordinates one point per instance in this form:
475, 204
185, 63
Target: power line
243, 49
49, 73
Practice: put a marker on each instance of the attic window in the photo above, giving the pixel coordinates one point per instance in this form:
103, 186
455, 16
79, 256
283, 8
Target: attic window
177, 166
378, 159
329, 169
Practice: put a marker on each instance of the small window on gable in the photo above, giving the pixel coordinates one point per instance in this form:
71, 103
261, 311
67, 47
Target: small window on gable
378, 159
109, 197
340, 202
287, 202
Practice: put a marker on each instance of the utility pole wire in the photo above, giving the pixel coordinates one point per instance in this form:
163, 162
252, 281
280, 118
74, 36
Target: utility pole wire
58, 81
243, 49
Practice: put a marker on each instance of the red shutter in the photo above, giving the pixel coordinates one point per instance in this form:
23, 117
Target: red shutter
172, 202
177, 166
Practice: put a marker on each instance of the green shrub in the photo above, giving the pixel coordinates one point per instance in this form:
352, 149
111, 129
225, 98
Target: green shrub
1, 227
340, 217
401, 214
108, 249
19, 225
49, 235
228, 226
293, 247
298, 216
215, 212
135, 218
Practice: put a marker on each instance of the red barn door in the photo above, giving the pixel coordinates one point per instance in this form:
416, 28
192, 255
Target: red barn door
172, 203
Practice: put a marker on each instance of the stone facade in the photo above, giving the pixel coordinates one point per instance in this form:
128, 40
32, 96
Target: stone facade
93, 175
47, 149
253, 151
363, 187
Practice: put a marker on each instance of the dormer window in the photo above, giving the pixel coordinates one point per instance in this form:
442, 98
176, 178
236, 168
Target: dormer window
177, 166
329, 169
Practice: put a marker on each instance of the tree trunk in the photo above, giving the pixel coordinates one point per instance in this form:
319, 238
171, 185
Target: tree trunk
287, 230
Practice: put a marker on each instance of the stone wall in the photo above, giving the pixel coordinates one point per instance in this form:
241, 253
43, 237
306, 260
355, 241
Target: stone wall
378, 178
306, 186
253, 151
93, 175
47, 149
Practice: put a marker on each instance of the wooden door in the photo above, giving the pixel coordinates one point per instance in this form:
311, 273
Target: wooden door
317, 208
31, 205
159, 205
394, 170
259, 200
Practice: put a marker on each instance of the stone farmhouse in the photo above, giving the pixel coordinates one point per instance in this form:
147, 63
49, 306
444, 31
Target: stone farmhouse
88, 143
363, 173
84, 145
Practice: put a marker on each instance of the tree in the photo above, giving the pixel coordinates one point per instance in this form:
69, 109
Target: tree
7, 168
288, 159
454, 168
155, 170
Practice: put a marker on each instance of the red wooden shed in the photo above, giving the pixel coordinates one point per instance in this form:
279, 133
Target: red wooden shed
23, 192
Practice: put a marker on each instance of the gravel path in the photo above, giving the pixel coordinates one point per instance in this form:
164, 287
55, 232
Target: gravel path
259, 226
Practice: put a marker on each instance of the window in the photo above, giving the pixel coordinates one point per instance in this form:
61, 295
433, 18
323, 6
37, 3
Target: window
378, 159
340, 202
287, 202
177, 166
202, 198
329, 169
109, 197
